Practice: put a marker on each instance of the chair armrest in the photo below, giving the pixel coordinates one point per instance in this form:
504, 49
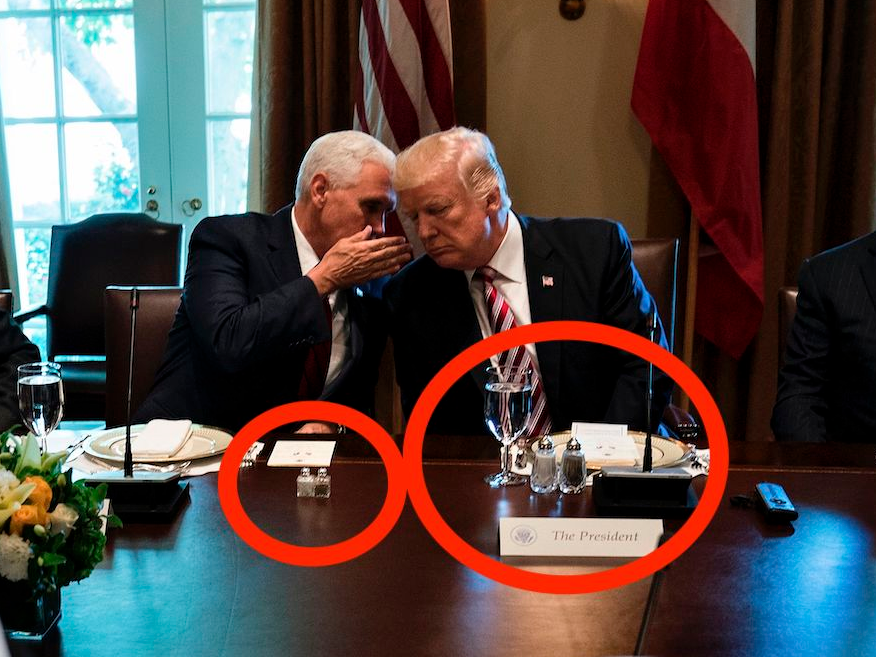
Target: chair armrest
26, 314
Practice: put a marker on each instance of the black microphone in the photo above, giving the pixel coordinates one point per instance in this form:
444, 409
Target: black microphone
148, 496
645, 493
129, 456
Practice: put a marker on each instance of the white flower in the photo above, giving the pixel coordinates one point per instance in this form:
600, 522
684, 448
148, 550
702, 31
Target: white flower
14, 555
8, 482
62, 520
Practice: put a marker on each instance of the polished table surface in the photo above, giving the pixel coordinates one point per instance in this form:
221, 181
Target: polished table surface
193, 587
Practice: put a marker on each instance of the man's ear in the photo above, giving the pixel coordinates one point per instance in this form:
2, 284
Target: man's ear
319, 189
494, 201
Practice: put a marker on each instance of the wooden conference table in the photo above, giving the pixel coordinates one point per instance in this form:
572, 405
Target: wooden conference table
193, 587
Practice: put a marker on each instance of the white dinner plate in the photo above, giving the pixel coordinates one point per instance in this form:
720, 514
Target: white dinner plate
109, 444
665, 452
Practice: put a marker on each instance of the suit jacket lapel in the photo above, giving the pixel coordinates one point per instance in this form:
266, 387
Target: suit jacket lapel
544, 281
283, 253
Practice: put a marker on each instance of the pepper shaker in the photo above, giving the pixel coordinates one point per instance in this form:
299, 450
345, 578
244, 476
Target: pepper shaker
323, 485
573, 468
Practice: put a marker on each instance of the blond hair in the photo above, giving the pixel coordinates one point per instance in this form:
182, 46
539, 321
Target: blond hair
470, 151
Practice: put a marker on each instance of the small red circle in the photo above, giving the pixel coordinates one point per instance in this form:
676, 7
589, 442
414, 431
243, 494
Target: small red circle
586, 332
326, 555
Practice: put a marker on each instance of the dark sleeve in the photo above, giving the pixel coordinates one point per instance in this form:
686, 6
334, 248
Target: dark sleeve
15, 350
801, 406
628, 304
235, 330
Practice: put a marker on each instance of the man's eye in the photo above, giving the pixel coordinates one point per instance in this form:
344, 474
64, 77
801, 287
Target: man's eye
437, 210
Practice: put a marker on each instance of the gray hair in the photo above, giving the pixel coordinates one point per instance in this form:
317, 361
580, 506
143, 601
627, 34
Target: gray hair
340, 156
470, 151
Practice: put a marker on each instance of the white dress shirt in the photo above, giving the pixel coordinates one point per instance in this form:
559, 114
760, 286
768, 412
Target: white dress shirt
308, 259
510, 282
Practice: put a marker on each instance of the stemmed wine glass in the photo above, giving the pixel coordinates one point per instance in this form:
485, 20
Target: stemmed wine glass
507, 407
40, 398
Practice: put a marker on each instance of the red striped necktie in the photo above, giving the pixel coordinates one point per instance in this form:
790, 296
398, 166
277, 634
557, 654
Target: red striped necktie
501, 319
316, 363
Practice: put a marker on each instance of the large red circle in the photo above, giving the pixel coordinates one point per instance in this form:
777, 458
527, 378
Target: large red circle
545, 583
326, 555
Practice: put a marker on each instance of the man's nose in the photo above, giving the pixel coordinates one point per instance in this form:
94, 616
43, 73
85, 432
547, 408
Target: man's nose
377, 222
425, 228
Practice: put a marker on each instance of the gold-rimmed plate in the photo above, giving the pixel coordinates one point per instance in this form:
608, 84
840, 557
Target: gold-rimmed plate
665, 452
205, 441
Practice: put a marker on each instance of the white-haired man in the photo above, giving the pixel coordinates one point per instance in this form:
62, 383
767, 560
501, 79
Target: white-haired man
276, 308
483, 263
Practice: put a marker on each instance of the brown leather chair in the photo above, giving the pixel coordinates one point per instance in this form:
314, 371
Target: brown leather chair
6, 300
656, 259
105, 249
157, 308
787, 310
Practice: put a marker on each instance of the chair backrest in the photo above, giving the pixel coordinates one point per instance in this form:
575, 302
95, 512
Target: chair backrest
6, 300
656, 259
105, 249
787, 310
157, 308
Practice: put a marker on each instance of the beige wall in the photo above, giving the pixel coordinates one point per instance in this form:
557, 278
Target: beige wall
558, 108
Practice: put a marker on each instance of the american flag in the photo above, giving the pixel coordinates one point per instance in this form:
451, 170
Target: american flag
404, 88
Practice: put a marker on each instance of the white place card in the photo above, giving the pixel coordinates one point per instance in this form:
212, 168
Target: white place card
578, 537
300, 453
605, 444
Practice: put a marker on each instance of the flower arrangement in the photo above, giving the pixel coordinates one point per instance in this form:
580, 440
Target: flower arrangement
50, 526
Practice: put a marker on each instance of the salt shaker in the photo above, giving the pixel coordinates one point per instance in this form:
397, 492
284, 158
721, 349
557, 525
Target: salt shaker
323, 485
305, 483
573, 468
544, 470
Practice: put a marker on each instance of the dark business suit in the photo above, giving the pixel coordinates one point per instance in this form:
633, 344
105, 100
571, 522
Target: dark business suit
827, 387
576, 269
246, 323
15, 350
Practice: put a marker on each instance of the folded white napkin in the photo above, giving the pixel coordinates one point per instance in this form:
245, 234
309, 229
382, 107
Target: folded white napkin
161, 438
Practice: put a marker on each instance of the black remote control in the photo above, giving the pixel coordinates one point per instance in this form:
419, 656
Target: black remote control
774, 502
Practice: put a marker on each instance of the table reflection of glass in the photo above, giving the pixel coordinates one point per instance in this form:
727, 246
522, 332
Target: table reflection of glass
40, 398
507, 407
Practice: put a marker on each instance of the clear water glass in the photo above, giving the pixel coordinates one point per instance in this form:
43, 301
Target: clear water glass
507, 408
40, 398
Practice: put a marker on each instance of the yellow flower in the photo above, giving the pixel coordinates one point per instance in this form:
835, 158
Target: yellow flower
41, 495
28, 514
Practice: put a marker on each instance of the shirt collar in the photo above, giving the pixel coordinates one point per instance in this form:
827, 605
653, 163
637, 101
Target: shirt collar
307, 257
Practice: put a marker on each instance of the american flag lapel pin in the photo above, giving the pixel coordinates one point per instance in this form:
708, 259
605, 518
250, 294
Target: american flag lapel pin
547, 281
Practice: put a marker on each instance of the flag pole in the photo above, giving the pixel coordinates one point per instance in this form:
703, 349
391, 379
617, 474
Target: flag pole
690, 301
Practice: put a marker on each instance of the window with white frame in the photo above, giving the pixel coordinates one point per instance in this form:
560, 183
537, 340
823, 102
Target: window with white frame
108, 104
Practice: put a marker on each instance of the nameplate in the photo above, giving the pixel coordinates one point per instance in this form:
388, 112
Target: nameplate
578, 537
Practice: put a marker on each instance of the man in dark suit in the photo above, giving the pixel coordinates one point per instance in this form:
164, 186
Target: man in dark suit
276, 308
827, 386
453, 189
15, 350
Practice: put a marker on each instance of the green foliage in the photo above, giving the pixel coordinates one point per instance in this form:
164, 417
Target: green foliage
91, 28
